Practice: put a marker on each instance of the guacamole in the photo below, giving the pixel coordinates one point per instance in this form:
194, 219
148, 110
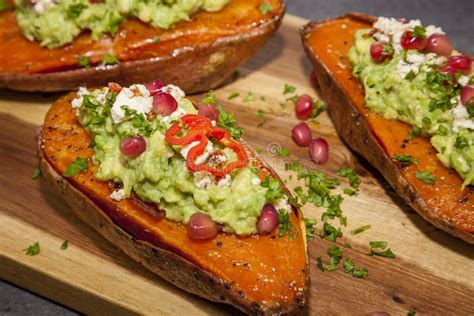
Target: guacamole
57, 23
160, 174
410, 87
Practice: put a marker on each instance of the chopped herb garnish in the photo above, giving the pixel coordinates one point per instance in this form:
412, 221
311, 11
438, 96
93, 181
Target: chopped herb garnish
156, 39
249, 97
410, 75
412, 312
360, 229
265, 8
227, 121
349, 191
282, 152
405, 159
419, 32
350, 174
461, 142
426, 177
412, 133
233, 95
293, 98
285, 225
84, 61
274, 190
32, 250
310, 229
109, 59
347, 245
357, 273
385, 253
78, 164
36, 174
210, 98
64, 245
330, 233
378, 244
4, 6
293, 166
288, 89
318, 107
262, 98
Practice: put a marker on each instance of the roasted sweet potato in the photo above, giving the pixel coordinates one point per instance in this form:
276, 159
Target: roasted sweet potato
258, 274
196, 55
377, 139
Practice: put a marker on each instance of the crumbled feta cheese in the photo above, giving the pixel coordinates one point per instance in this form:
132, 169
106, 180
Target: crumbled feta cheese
175, 115
256, 181
77, 101
203, 179
403, 68
461, 116
175, 91
463, 80
39, 6
202, 158
224, 181
136, 97
431, 29
118, 195
282, 204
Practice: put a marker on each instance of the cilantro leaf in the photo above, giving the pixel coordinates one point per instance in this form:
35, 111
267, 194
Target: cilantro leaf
283, 152
274, 190
79, 164
233, 95
385, 253
412, 312
360, 229
357, 273
330, 233
351, 175
36, 174
109, 59
84, 61
405, 159
293, 166
210, 98
419, 32
310, 229
265, 8
64, 245
461, 142
32, 250
378, 244
426, 177
285, 226
288, 89
249, 97
227, 121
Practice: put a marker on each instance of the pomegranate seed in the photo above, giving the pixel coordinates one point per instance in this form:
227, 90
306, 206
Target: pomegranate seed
133, 146
380, 52
201, 226
301, 134
268, 220
319, 150
304, 107
155, 86
439, 44
408, 41
164, 104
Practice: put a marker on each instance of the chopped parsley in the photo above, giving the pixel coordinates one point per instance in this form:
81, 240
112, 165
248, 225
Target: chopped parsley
357, 273
233, 95
461, 142
318, 107
360, 229
249, 97
285, 226
405, 159
330, 233
378, 244
349, 191
265, 8
310, 229
412, 133
410, 75
419, 32
294, 166
293, 98
64, 245
210, 98
36, 174
412, 312
288, 89
283, 152
84, 61
32, 250
227, 121
273, 189
260, 114
426, 177
351, 175
79, 164
382, 253
109, 59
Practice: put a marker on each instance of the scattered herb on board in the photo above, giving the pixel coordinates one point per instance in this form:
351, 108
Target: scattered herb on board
349, 268
293, 98
249, 97
4, 6
32, 250
381, 253
233, 95
412, 312
310, 229
349, 192
360, 229
378, 244
283, 152
288, 89
260, 114
405, 159
273, 188
109, 59
36, 174
426, 177
265, 8
330, 233
351, 175
84, 61
64, 245
78, 164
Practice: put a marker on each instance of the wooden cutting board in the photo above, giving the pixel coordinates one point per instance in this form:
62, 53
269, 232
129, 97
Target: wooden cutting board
433, 271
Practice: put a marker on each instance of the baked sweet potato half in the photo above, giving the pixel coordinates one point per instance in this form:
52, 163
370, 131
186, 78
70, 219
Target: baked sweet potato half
258, 274
197, 55
445, 203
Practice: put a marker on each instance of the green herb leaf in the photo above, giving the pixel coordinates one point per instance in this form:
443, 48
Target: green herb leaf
378, 244
109, 59
412, 312
36, 174
410, 75
419, 32
210, 98
265, 8
330, 233
349, 192
350, 174
33, 250
405, 159
426, 177
318, 107
4, 6
274, 190
64, 245
293, 166
282, 152
79, 164
249, 97
233, 95
360, 229
461, 142
357, 273
385, 253
84, 61
74, 10
227, 121
285, 226
310, 229
288, 89
412, 133
156, 39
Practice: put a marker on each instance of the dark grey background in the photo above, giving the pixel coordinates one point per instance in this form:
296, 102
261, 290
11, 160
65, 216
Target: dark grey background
454, 16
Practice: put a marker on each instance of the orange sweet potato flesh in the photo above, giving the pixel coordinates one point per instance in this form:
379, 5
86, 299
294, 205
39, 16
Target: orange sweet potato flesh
196, 55
377, 139
257, 274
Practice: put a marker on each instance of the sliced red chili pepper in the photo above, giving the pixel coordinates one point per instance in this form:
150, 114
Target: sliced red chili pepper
196, 151
196, 125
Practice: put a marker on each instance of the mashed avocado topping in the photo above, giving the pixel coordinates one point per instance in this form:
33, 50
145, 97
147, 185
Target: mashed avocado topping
418, 88
56, 23
160, 174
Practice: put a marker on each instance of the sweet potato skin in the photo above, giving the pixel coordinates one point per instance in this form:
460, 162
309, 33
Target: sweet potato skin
173, 264
186, 56
354, 128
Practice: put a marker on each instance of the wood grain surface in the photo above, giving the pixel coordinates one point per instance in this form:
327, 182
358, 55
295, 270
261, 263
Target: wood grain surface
432, 272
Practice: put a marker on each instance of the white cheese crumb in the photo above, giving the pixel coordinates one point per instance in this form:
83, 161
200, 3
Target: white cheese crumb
461, 116
175, 115
118, 195
463, 80
39, 6
175, 91
77, 101
256, 181
202, 158
282, 204
203, 179
224, 181
136, 97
